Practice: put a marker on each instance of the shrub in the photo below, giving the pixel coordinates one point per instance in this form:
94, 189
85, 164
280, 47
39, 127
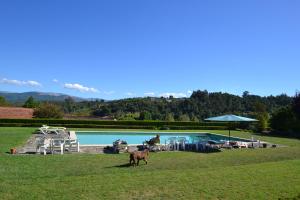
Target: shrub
48, 110
283, 119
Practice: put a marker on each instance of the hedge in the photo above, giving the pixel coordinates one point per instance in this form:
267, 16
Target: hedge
117, 126
106, 122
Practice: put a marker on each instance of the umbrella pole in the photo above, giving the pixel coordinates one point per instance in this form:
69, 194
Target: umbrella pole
229, 131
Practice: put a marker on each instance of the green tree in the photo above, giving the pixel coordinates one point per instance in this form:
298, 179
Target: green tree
296, 105
169, 117
3, 101
195, 119
102, 112
30, 103
145, 115
184, 118
283, 119
48, 110
69, 105
262, 116
129, 117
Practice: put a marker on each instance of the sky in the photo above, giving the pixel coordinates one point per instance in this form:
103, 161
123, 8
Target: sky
115, 49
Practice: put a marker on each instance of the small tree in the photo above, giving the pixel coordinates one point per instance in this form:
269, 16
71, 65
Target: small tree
30, 103
263, 121
262, 115
169, 117
48, 110
184, 118
69, 105
195, 119
3, 101
145, 115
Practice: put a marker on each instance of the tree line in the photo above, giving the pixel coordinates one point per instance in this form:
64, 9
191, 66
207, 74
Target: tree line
281, 112
199, 106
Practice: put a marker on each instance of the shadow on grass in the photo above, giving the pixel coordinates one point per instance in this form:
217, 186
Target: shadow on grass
127, 165
123, 166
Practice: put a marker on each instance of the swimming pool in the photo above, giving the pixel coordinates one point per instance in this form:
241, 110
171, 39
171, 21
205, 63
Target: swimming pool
135, 138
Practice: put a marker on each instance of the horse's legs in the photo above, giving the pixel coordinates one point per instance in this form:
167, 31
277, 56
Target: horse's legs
146, 161
138, 160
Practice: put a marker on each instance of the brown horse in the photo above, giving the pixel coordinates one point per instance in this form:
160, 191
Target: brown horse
136, 156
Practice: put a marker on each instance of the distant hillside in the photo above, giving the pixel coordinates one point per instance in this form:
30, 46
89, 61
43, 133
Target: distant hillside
39, 96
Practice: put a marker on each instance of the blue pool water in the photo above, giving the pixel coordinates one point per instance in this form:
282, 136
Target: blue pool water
107, 138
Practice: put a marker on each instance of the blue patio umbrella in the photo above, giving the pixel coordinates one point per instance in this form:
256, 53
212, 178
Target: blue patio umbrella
231, 118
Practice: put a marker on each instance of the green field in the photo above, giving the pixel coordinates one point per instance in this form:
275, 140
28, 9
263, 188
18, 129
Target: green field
230, 174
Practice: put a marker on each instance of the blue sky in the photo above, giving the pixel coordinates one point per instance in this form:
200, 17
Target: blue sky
115, 49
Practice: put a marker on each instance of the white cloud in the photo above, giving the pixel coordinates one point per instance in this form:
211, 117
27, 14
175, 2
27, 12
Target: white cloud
55, 80
81, 88
189, 91
33, 83
149, 94
174, 94
21, 83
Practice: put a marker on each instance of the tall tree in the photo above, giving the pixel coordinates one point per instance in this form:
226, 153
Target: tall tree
30, 103
262, 115
69, 105
296, 105
3, 101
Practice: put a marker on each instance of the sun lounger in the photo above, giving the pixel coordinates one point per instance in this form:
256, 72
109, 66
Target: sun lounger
51, 130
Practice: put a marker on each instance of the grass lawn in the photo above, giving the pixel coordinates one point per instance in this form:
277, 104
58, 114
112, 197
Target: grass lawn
231, 174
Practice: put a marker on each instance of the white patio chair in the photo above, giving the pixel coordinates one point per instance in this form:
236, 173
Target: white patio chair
43, 145
57, 144
172, 143
181, 142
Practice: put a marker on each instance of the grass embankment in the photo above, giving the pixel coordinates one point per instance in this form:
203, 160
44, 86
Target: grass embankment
231, 174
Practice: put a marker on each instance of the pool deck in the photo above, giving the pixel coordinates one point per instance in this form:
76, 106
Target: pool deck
30, 146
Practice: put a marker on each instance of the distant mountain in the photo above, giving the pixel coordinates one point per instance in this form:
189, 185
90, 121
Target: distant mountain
13, 97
